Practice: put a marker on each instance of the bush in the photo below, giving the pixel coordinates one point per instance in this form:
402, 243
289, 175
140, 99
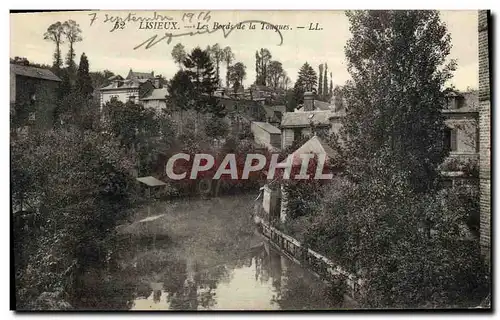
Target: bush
79, 184
413, 250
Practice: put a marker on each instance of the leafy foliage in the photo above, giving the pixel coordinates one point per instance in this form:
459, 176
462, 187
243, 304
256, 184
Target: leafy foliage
384, 219
55, 33
237, 73
395, 98
216, 127
72, 31
83, 80
76, 185
193, 87
179, 54
306, 81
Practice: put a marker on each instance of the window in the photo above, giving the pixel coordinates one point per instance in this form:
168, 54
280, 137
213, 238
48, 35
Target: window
451, 103
450, 139
297, 134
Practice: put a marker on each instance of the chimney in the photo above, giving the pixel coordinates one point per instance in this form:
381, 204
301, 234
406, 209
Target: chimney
308, 101
157, 83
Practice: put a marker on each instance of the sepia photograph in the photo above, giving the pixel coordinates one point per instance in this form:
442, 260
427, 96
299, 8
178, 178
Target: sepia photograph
209, 160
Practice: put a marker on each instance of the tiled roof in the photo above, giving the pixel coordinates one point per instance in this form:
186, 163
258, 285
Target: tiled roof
126, 84
115, 77
313, 145
305, 118
267, 127
469, 102
157, 94
270, 111
33, 72
140, 75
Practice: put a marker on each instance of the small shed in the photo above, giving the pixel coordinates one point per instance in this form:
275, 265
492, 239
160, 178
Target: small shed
266, 134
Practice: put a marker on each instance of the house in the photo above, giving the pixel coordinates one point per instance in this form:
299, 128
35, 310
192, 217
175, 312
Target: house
461, 114
274, 114
140, 75
315, 146
275, 197
266, 134
156, 99
309, 121
241, 112
33, 96
136, 86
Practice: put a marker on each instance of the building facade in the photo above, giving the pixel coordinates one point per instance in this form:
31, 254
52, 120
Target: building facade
155, 99
33, 96
136, 86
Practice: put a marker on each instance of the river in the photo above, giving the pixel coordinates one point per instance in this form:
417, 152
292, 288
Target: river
200, 255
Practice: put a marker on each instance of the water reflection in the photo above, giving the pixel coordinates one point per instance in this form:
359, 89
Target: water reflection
210, 260
262, 280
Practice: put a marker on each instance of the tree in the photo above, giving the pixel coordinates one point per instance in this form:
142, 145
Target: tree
285, 81
396, 95
216, 127
69, 219
193, 87
338, 97
228, 56
388, 221
324, 94
100, 78
307, 78
23, 61
54, 33
200, 69
320, 83
275, 73
181, 92
262, 59
179, 54
331, 85
306, 81
83, 80
217, 55
237, 73
73, 33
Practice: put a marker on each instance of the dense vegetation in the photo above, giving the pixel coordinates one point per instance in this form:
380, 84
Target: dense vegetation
386, 218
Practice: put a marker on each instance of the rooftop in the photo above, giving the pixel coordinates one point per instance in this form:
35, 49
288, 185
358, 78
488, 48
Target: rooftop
305, 118
33, 72
267, 127
125, 84
467, 101
157, 94
273, 112
151, 181
140, 75
314, 145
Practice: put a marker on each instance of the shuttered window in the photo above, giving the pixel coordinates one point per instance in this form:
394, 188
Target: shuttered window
453, 140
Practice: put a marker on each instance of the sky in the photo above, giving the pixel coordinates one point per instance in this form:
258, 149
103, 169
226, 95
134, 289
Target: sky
115, 50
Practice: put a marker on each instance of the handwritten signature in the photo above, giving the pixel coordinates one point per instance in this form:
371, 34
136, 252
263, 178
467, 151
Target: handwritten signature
154, 40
